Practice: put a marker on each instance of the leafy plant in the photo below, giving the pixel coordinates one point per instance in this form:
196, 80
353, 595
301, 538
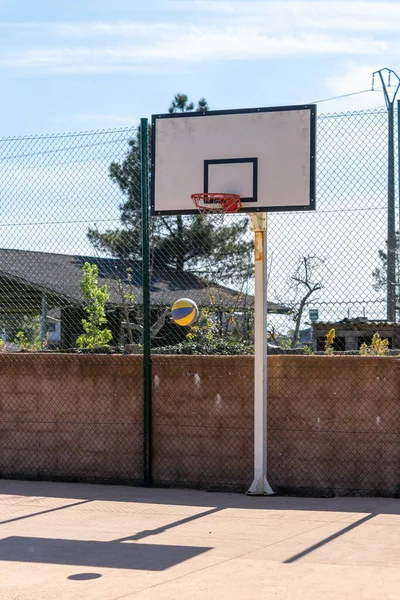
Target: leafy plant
204, 331
329, 341
219, 346
281, 340
307, 349
204, 338
95, 335
12, 324
378, 346
22, 341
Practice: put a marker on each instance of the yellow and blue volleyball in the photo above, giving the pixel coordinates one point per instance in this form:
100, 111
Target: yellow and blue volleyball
185, 312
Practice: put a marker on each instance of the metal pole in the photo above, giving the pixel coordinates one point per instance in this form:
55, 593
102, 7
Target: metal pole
391, 216
43, 321
147, 375
398, 156
397, 238
260, 485
391, 223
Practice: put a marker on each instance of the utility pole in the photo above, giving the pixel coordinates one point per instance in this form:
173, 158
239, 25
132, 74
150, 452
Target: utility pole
391, 214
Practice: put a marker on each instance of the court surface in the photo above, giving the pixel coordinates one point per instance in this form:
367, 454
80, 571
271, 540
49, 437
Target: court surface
78, 541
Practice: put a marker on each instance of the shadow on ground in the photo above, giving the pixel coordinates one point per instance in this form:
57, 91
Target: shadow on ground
83, 492
112, 555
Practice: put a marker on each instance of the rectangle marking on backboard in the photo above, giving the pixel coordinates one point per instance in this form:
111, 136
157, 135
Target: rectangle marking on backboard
232, 176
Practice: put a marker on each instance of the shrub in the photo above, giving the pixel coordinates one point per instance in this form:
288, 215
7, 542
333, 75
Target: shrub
95, 335
378, 346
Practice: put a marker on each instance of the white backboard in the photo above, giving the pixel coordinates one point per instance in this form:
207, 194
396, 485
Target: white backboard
266, 155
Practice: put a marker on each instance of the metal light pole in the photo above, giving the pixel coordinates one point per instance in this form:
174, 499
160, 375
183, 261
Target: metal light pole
391, 214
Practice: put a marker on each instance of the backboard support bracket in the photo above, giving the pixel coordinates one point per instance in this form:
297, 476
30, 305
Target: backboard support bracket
258, 221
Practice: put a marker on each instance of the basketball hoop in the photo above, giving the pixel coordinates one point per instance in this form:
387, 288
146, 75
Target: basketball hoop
214, 206
217, 203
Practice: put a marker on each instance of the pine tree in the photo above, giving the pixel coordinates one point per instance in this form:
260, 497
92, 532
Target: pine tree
380, 273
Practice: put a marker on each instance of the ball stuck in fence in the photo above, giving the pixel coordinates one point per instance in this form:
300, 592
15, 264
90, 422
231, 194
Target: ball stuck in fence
185, 312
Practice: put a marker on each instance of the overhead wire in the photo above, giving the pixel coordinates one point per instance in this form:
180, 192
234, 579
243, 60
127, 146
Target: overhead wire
345, 95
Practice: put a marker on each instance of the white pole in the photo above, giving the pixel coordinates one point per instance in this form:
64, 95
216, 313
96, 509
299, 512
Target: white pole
260, 485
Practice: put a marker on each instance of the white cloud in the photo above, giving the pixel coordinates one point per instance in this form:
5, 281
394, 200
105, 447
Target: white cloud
209, 32
200, 45
107, 118
352, 15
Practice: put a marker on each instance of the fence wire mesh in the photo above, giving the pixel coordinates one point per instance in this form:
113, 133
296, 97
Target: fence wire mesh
61, 201
71, 320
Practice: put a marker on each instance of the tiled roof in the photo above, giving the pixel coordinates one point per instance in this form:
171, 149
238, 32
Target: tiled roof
354, 324
25, 276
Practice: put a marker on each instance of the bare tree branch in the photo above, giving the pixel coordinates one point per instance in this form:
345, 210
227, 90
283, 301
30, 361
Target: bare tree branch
306, 276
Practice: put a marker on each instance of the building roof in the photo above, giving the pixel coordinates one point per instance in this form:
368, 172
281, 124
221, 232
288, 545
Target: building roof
26, 276
357, 324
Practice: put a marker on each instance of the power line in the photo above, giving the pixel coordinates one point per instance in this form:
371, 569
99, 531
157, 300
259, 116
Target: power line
63, 149
53, 136
344, 96
85, 221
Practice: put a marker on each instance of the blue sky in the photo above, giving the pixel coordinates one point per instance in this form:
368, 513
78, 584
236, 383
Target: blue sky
94, 64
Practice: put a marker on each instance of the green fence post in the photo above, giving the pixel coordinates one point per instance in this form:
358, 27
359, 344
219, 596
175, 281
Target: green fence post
391, 255
398, 153
147, 375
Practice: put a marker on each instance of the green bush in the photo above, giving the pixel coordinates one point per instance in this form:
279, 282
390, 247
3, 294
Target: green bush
214, 347
95, 335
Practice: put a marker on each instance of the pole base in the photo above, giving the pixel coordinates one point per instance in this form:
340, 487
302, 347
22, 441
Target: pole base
260, 487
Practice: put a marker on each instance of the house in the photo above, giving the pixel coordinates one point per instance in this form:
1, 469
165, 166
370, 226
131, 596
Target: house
40, 283
53, 329
351, 333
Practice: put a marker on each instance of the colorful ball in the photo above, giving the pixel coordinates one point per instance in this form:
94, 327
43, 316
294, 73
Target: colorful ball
185, 312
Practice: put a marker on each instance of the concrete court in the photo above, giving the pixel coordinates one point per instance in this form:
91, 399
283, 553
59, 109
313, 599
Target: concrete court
77, 541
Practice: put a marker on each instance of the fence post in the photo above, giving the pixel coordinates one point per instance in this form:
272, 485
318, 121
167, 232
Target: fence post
391, 255
147, 375
391, 194
398, 154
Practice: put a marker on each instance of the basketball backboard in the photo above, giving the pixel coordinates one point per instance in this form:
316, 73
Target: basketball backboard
266, 155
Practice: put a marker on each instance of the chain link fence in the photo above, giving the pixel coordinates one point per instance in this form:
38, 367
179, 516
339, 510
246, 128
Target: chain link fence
71, 319
58, 417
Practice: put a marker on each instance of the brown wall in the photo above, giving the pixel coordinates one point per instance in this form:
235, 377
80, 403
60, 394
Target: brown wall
334, 422
71, 416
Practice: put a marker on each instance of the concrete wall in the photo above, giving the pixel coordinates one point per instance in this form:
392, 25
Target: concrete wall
334, 422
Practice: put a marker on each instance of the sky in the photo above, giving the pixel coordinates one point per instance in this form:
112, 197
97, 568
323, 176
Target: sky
95, 64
